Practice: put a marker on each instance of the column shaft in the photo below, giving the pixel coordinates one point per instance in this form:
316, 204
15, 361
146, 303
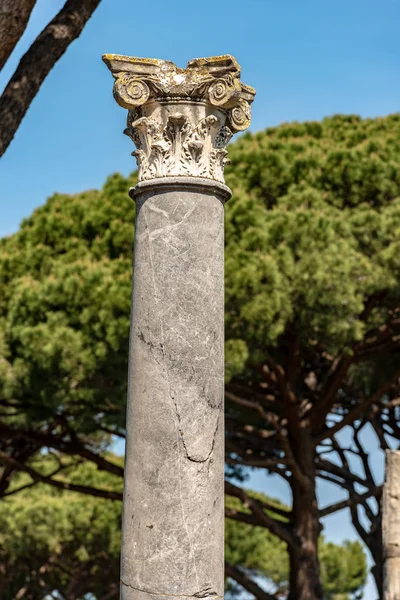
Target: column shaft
173, 518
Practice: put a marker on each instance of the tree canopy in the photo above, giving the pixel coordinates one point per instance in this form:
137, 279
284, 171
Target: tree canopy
312, 304
64, 543
312, 233
60, 541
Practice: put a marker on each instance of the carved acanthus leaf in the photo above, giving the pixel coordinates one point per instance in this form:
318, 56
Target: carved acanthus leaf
179, 148
181, 119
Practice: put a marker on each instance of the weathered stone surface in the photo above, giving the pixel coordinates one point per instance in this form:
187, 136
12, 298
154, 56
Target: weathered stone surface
173, 515
181, 119
391, 526
173, 499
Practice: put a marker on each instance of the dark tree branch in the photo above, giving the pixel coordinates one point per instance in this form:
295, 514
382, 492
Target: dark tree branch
34, 482
257, 508
341, 365
380, 433
73, 448
35, 65
62, 485
21, 452
351, 501
252, 434
257, 463
323, 464
268, 417
328, 395
237, 515
247, 583
14, 17
294, 355
359, 409
282, 512
112, 431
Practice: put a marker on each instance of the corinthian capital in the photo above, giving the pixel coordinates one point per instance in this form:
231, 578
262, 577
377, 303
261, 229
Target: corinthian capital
181, 119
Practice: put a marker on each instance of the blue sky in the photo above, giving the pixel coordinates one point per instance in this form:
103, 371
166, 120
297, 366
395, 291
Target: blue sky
307, 59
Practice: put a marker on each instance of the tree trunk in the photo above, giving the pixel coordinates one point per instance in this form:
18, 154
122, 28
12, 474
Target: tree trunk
37, 62
305, 577
14, 17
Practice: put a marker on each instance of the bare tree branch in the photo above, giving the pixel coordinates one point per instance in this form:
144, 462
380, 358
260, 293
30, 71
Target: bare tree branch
62, 485
237, 515
323, 464
268, 417
351, 501
34, 482
282, 512
72, 448
359, 409
247, 583
14, 17
256, 507
341, 365
35, 65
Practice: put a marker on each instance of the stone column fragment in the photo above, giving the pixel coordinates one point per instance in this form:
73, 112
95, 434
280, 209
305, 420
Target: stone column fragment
391, 526
173, 515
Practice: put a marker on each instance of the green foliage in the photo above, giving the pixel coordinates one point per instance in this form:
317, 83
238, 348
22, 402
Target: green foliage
65, 286
255, 548
312, 231
54, 540
344, 570
59, 540
343, 567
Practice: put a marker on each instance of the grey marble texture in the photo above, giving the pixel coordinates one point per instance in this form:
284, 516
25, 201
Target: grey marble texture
180, 121
173, 515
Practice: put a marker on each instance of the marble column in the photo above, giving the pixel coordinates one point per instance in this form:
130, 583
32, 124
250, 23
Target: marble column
173, 510
391, 526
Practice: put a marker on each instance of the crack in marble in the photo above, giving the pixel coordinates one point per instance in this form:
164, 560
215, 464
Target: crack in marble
191, 458
203, 594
